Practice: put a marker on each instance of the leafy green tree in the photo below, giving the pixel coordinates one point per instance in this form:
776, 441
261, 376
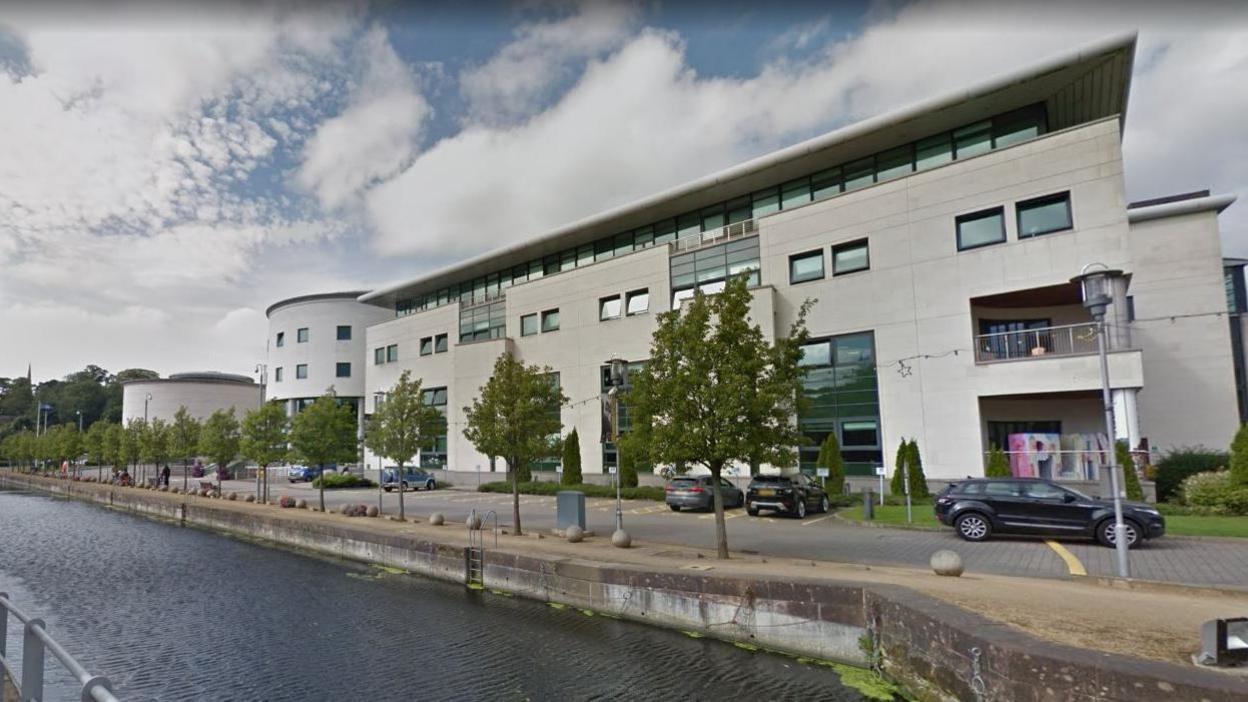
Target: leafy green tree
998, 464
324, 433
918, 481
219, 439
114, 446
572, 459
897, 485
716, 392
830, 458
1130, 477
184, 439
1239, 457
132, 444
401, 425
70, 444
96, 444
512, 419
154, 445
627, 464
265, 440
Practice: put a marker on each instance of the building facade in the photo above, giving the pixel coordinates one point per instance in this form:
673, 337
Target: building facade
938, 244
200, 393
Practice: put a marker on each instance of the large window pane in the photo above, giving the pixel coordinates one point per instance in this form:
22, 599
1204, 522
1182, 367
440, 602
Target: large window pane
638, 302
584, 255
623, 243
688, 225
981, 229
609, 307
665, 232
973, 140
1018, 126
739, 210
825, 184
854, 349
550, 320
766, 202
795, 193
894, 163
818, 353
860, 433
528, 324
807, 266
859, 174
713, 219
1044, 215
847, 258
933, 151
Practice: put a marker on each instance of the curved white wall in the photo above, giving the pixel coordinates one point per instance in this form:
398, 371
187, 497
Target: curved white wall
322, 351
200, 397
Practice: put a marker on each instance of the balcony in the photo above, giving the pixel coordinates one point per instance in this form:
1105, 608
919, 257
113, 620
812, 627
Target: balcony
1063, 340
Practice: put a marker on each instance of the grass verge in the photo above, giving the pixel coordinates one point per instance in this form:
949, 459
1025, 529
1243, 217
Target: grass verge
1176, 525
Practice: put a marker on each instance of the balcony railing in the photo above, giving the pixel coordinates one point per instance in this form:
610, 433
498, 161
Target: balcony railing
719, 235
1067, 340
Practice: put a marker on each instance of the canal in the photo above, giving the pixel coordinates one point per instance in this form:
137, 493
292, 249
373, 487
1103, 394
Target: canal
169, 613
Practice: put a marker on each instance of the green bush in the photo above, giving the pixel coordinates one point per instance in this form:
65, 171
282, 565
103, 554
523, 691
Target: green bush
342, 480
627, 469
1239, 457
1122, 454
572, 459
1215, 491
998, 464
1179, 463
830, 458
550, 488
900, 500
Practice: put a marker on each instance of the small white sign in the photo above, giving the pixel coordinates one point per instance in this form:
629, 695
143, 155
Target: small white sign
611, 470
879, 470
558, 469
821, 472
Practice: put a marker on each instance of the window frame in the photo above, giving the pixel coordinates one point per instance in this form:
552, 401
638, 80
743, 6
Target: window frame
338, 332
547, 314
958, 221
806, 255
338, 367
441, 343
301, 371
602, 307
392, 353
302, 335
281, 339
426, 346
379, 356
277, 374
1042, 201
864, 243
536, 325
632, 295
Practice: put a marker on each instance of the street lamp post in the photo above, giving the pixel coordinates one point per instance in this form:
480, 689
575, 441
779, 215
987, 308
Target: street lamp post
619, 368
1096, 282
79, 413
378, 398
262, 494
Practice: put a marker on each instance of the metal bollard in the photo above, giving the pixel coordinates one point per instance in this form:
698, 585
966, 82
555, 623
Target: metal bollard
32, 662
868, 505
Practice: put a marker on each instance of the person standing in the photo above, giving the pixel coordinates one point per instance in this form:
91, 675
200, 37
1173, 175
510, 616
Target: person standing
164, 475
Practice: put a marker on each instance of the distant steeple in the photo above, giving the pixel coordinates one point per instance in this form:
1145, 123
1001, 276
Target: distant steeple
28, 378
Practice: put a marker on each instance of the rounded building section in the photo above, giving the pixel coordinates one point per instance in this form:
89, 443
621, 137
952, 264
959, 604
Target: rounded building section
317, 342
200, 393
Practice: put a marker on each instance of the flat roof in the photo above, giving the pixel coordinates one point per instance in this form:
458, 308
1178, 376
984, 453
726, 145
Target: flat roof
313, 297
197, 377
1087, 83
1143, 212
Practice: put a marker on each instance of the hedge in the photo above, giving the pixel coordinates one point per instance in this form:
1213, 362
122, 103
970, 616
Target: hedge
342, 480
1179, 463
550, 488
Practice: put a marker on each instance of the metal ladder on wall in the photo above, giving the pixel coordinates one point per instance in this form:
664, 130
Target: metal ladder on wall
474, 555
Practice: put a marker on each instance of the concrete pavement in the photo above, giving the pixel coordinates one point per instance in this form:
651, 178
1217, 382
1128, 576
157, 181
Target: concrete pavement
822, 537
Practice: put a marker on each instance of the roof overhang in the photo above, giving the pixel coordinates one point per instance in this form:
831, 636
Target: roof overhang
1083, 85
314, 297
1212, 203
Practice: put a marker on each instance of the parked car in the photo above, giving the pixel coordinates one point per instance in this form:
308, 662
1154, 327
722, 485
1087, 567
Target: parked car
298, 473
792, 494
413, 479
979, 507
697, 492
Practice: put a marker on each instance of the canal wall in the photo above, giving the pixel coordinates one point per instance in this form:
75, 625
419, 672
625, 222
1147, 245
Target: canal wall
936, 650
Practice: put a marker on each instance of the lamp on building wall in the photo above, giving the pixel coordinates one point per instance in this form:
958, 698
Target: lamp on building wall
1096, 282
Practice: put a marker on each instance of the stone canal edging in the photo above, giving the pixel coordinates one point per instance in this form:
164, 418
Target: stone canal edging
936, 650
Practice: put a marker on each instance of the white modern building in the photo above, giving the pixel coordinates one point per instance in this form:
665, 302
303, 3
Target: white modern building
200, 393
939, 241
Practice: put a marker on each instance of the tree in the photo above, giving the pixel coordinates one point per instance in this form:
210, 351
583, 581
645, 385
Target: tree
265, 439
830, 458
918, 481
1130, 477
154, 444
97, 444
184, 439
998, 464
324, 433
70, 443
512, 419
401, 425
626, 462
572, 459
716, 392
219, 439
897, 485
1239, 457
114, 446
131, 443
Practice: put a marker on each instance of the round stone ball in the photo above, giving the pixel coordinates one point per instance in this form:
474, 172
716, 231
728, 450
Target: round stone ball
474, 521
301, 504
373, 511
946, 562
437, 519
231, 496
574, 534
249, 498
621, 539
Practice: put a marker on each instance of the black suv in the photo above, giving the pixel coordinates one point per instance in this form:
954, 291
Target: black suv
794, 494
978, 507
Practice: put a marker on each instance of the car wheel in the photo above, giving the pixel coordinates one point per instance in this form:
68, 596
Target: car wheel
1105, 533
973, 526
800, 510
387, 489
404, 487
429, 485
823, 504
752, 511
674, 508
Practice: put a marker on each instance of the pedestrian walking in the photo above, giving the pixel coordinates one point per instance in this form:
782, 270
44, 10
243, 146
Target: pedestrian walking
164, 475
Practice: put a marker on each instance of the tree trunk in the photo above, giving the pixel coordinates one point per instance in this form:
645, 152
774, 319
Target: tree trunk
402, 514
322, 491
721, 529
515, 495
185, 471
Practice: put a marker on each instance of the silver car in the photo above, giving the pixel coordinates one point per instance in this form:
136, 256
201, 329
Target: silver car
696, 492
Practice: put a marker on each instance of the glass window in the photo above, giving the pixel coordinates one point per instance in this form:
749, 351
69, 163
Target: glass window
739, 210
379, 355
895, 163
847, 258
281, 339
972, 140
688, 225
644, 237
638, 302
623, 243
1044, 215
807, 266
277, 374
860, 433
855, 350
584, 255
1001, 489
609, 307
795, 193
567, 260
528, 324
426, 346
825, 184
1043, 491
301, 335
933, 151
440, 343
603, 249
665, 232
342, 370
713, 219
301, 371
1018, 126
818, 353
859, 174
981, 228
680, 296
766, 202
392, 353
550, 320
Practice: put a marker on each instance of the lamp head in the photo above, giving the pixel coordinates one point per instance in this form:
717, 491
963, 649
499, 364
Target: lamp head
619, 370
1096, 284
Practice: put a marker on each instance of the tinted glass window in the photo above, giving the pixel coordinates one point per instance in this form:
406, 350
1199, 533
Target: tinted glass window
1001, 489
1044, 215
807, 266
933, 151
818, 353
344, 333
981, 229
426, 346
440, 343
1043, 491
971, 489
550, 320
859, 174
343, 370
973, 140
528, 325
609, 307
301, 335
638, 302
847, 258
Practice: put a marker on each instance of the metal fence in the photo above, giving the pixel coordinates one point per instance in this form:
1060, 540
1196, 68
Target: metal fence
1067, 340
35, 642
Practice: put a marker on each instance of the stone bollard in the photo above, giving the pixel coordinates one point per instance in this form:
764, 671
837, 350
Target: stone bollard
373, 511
232, 496
946, 562
437, 519
301, 504
249, 498
621, 539
574, 534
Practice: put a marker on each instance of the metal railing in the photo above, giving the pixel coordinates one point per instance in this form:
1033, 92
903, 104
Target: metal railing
1066, 340
35, 640
710, 237
1062, 464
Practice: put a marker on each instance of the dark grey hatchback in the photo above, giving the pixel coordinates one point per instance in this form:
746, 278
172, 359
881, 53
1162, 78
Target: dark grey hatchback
695, 492
979, 507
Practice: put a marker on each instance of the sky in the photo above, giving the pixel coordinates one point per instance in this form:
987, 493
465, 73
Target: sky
169, 170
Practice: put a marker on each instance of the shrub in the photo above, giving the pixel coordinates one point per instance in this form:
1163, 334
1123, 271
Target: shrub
830, 458
1122, 454
1214, 490
1239, 457
896, 486
627, 469
572, 459
342, 480
998, 464
549, 488
1179, 463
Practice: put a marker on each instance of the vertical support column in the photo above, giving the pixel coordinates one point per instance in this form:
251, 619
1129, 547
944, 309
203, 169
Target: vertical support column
1127, 416
1117, 321
32, 662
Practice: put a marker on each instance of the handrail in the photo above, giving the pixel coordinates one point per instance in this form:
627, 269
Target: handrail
35, 639
1061, 340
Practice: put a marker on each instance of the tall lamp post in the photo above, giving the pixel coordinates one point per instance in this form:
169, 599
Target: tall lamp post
262, 494
1096, 281
619, 371
79, 413
146, 399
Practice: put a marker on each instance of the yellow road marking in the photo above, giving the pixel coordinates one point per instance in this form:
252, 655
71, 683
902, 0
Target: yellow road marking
1072, 563
808, 522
